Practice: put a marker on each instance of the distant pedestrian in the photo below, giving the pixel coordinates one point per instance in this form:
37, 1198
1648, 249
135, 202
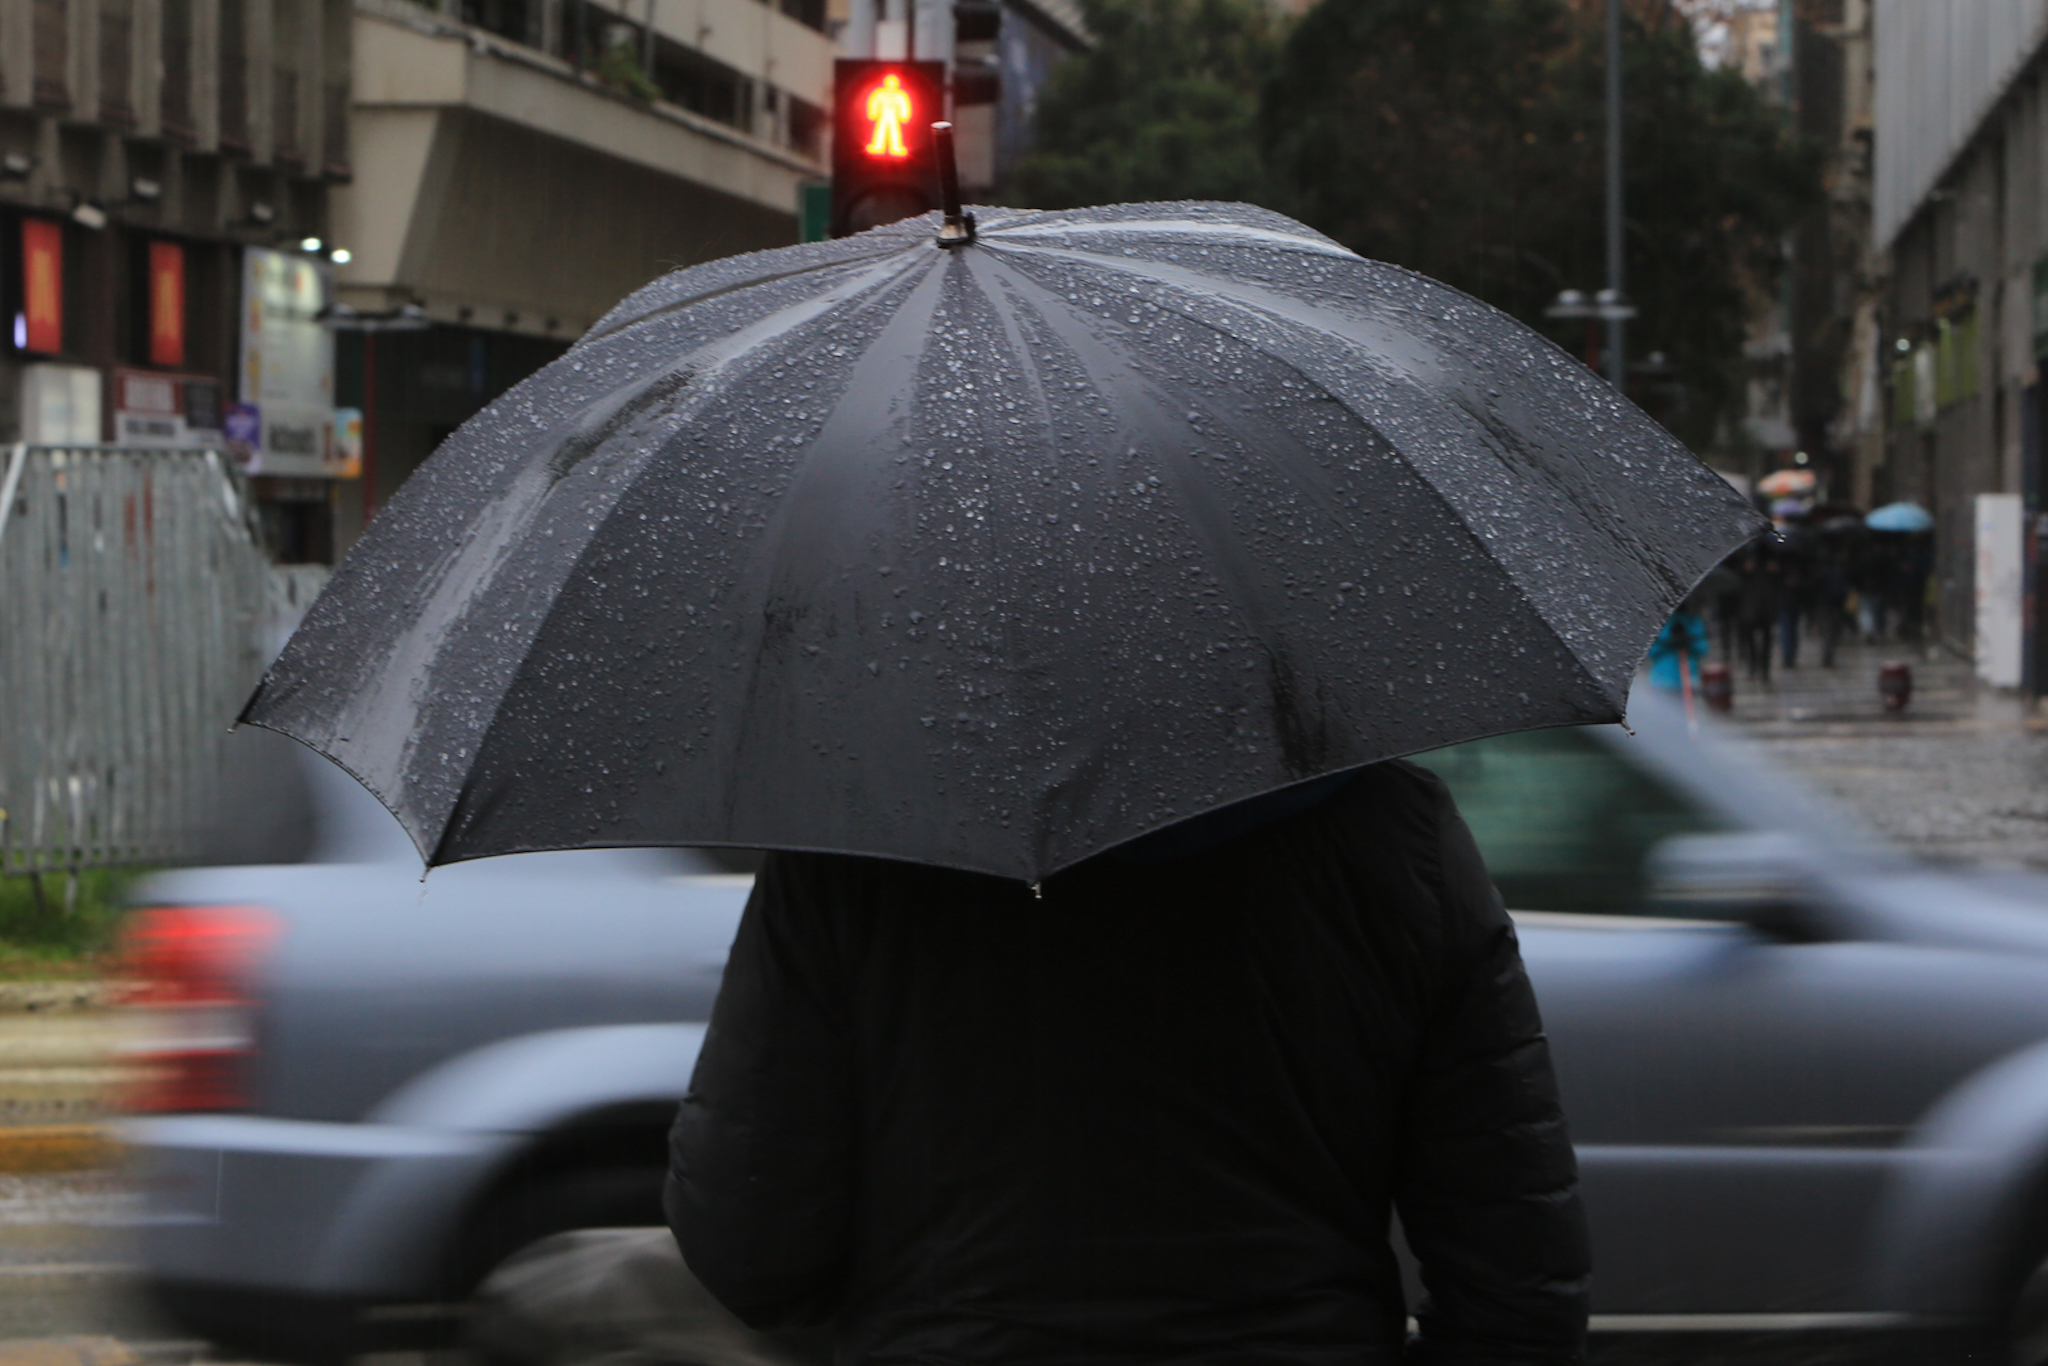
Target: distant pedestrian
1869, 577
1679, 650
1830, 598
1757, 613
1791, 560
1914, 560
1718, 599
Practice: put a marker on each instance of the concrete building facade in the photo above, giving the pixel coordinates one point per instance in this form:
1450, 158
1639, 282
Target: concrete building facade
323, 233
521, 165
1960, 209
147, 147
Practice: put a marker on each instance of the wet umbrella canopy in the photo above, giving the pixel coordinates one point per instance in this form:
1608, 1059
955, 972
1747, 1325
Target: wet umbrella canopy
995, 555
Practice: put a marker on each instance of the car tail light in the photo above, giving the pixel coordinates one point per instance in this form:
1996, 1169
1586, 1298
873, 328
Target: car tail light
189, 1004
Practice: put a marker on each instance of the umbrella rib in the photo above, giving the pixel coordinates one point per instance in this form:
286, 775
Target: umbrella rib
726, 350
1180, 278
599, 331
771, 558
1208, 233
1296, 367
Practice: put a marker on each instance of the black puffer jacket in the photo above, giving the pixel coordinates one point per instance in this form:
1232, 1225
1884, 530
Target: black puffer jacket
1160, 1115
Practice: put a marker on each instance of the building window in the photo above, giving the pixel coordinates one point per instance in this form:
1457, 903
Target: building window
513, 19
177, 59
597, 39
701, 85
117, 23
52, 19
806, 127
334, 129
284, 115
287, 44
234, 75
809, 13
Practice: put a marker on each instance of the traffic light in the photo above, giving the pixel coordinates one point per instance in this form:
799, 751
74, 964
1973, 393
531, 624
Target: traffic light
882, 165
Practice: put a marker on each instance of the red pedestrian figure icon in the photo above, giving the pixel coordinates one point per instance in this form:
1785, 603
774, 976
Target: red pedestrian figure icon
888, 109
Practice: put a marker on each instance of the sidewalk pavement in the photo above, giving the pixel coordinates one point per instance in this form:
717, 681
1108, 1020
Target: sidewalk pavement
60, 1071
1961, 775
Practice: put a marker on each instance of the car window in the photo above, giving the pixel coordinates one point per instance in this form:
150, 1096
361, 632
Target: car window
1564, 822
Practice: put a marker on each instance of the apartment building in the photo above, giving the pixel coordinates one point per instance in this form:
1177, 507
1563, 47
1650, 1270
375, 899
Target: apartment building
521, 165
162, 162
1960, 209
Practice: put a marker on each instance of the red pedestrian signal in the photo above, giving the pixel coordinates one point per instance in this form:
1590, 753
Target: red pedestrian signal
882, 163
889, 111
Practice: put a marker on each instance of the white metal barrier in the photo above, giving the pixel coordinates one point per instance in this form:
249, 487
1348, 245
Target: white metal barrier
133, 605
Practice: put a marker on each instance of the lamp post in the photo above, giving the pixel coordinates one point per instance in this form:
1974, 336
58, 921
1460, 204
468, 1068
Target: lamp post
1610, 306
1617, 321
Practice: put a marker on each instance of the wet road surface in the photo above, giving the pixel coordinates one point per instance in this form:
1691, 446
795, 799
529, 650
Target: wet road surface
1961, 775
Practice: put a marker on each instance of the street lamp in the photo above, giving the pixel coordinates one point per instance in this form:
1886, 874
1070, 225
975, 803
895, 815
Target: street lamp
1610, 306
1612, 297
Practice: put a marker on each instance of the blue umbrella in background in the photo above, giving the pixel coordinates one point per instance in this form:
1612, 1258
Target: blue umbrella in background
1900, 517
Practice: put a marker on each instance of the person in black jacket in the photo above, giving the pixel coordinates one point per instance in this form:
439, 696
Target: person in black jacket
1160, 1114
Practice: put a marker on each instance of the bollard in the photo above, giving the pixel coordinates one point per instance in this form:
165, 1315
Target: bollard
1895, 685
1717, 686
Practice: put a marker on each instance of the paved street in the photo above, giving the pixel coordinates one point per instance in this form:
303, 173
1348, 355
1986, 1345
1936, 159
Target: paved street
66, 1295
1962, 775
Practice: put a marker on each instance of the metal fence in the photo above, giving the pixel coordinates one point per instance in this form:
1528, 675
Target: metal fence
133, 606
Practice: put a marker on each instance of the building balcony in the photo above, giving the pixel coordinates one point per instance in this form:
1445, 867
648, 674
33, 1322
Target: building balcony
501, 186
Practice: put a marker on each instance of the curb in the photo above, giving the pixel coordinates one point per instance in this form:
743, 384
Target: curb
40, 1149
68, 1351
54, 998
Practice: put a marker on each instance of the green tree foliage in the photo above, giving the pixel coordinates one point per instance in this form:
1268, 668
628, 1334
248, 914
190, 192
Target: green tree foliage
1461, 138
1429, 133
59, 923
1716, 180
618, 70
1164, 106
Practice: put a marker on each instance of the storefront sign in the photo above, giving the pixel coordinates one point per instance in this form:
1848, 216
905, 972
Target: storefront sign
153, 409
166, 304
42, 292
287, 374
2001, 541
60, 405
348, 442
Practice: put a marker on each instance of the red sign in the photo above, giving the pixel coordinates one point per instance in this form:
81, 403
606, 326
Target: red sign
166, 303
42, 278
888, 110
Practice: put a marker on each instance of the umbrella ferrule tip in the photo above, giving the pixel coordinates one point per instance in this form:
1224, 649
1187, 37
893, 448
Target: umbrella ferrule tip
957, 232
958, 228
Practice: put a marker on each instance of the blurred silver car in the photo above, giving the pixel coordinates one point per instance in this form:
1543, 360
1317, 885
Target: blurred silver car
1808, 1076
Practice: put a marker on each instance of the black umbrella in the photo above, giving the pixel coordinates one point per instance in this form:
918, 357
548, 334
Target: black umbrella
995, 554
